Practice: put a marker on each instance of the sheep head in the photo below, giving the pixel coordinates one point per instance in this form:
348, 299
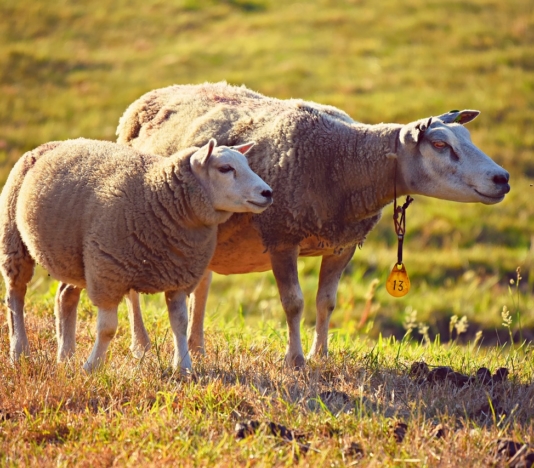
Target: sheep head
437, 158
225, 175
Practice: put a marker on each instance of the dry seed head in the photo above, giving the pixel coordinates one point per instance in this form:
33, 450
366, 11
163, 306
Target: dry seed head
423, 330
506, 317
452, 324
462, 325
519, 277
411, 319
478, 337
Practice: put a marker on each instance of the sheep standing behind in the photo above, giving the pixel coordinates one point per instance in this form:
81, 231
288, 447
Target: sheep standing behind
105, 217
332, 177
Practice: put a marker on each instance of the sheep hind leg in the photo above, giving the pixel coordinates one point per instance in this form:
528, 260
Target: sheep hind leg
197, 310
176, 304
284, 264
18, 340
140, 339
106, 327
332, 267
65, 309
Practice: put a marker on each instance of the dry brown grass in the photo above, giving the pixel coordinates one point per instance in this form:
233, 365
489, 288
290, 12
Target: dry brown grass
140, 412
70, 69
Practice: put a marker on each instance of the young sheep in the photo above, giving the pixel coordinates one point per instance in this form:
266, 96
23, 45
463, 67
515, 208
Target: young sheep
105, 217
332, 177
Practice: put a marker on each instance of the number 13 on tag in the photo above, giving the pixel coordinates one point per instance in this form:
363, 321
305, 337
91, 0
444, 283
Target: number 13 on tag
398, 283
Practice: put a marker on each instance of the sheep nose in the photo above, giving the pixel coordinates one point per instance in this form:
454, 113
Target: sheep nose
267, 194
501, 179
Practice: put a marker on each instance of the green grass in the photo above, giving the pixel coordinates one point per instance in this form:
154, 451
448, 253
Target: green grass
135, 412
70, 69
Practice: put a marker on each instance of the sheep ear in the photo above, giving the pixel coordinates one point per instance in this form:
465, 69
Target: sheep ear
211, 144
461, 117
244, 148
202, 156
412, 133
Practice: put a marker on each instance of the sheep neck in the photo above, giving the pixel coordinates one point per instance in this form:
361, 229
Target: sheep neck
368, 180
340, 179
173, 183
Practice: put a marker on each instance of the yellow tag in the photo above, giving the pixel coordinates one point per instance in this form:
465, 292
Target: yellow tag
398, 283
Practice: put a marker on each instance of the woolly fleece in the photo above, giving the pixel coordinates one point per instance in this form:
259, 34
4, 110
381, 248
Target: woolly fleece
326, 170
108, 218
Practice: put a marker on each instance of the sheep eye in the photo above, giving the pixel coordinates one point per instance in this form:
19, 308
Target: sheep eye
439, 144
226, 168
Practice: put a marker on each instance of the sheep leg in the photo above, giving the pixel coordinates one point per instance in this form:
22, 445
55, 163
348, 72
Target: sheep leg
284, 264
176, 304
332, 267
106, 326
197, 310
66, 303
140, 339
18, 340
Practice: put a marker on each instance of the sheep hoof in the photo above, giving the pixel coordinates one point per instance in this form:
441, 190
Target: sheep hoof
16, 358
317, 353
139, 351
90, 367
196, 349
296, 362
19, 350
186, 372
64, 355
183, 364
178, 373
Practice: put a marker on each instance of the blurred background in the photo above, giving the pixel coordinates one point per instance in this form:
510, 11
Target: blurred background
70, 68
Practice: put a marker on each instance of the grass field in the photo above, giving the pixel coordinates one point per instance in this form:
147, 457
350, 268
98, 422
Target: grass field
70, 68
349, 408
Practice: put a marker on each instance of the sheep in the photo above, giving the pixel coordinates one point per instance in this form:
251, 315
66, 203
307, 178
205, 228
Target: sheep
108, 218
332, 176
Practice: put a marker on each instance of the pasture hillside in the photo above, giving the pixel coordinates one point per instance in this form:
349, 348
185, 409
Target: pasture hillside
70, 68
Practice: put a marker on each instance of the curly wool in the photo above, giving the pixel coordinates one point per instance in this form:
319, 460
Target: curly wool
329, 173
108, 218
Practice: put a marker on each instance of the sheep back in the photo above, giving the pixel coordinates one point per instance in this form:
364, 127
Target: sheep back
15, 260
303, 151
106, 217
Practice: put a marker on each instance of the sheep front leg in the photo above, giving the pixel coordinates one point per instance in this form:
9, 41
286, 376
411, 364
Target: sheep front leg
106, 327
66, 303
176, 304
332, 267
18, 340
284, 264
197, 310
140, 339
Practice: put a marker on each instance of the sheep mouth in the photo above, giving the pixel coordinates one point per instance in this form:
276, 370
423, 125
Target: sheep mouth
261, 205
495, 199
